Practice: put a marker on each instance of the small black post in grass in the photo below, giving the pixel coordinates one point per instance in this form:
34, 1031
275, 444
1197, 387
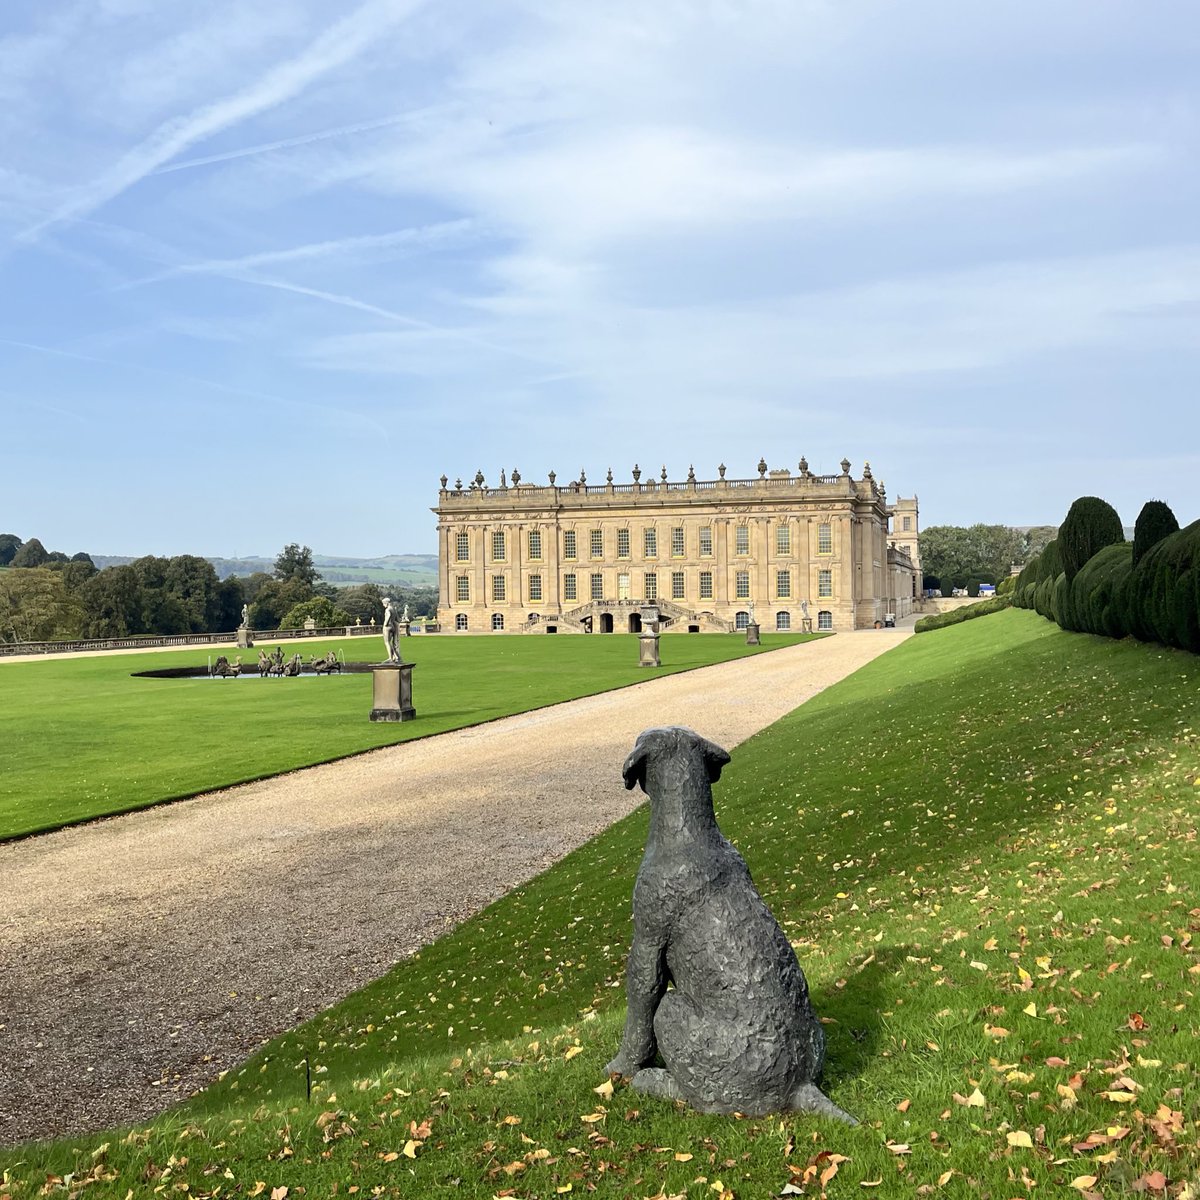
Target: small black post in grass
307, 1081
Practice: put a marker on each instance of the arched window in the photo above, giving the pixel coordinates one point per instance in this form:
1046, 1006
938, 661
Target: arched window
497, 622
741, 620
824, 619
460, 622
783, 620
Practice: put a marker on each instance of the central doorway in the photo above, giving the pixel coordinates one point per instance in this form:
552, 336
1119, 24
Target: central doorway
606, 622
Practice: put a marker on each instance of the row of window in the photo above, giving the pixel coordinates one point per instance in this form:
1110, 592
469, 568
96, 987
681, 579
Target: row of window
741, 541
678, 582
783, 621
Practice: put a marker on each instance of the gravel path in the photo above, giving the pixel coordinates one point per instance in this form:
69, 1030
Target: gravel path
141, 955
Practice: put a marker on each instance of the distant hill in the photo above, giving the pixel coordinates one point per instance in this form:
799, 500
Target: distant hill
412, 570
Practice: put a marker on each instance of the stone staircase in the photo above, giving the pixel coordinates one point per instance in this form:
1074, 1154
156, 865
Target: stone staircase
587, 618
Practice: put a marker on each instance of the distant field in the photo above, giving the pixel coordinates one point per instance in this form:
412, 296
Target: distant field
83, 738
407, 576
411, 570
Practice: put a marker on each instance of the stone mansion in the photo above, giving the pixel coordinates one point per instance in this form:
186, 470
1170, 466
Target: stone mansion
779, 548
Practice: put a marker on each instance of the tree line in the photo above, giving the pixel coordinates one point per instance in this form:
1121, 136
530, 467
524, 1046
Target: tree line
48, 596
954, 556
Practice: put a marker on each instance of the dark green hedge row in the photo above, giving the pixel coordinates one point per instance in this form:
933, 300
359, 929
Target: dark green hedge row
1148, 588
966, 613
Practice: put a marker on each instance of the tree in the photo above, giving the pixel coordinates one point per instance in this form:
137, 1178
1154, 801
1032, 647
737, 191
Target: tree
9, 545
363, 602
1090, 525
112, 602
231, 596
31, 554
76, 574
193, 581
36, 606
955, 554
274, 599
1035, 539
159, 610
320, 609
1155, 522
253, 584
294, 564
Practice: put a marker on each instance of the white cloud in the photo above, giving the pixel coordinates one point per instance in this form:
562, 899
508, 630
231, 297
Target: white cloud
339, 44
962, 321
373, 246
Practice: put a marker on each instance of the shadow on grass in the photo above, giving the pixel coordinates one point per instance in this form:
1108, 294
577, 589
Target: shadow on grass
855, 1026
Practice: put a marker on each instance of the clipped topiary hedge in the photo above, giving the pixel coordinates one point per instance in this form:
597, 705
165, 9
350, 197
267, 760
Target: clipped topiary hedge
1162, 597
1090, 525
1155, 522
1026, 583
966, 613
1095, 602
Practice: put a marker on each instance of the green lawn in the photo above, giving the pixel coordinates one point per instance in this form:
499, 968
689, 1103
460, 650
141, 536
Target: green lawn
983, 846
83, 738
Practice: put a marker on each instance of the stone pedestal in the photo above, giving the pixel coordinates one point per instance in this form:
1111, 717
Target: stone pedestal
752, 634
405, 628
392, 692
648, 650
245, 637
806, 624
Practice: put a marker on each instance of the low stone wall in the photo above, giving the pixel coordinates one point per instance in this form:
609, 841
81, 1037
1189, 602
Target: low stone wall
151, 641
940, 604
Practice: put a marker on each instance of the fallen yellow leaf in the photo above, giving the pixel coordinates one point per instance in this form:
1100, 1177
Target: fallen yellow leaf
1018, 1137
1081, 1182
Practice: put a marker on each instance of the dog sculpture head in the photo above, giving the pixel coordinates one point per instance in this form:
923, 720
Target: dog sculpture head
670, 742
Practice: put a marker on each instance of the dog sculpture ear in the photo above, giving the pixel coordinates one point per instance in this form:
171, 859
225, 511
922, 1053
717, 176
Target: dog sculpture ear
634, 770
714, 759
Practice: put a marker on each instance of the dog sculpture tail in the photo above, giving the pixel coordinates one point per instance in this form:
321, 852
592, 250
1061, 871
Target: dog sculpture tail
810, 1099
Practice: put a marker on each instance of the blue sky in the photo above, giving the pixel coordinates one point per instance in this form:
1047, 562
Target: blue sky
268, 269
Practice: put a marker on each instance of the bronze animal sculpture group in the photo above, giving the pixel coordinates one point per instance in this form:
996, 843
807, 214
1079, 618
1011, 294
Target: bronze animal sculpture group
713, 985
226, 669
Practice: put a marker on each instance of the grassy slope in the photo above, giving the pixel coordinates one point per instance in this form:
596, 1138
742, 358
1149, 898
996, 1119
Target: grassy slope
85, 739
983, 846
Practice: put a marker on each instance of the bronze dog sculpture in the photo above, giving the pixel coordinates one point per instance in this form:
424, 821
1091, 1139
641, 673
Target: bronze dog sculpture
713, 984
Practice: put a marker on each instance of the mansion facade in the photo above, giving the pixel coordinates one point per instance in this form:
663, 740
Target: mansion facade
780, 549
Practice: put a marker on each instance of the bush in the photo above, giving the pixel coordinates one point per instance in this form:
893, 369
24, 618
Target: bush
1164, 591
320, 608
1026, 583
1090, 525
1059, 598
1155, 522
966, 613
1043, 597
1097, 593
1007, 586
